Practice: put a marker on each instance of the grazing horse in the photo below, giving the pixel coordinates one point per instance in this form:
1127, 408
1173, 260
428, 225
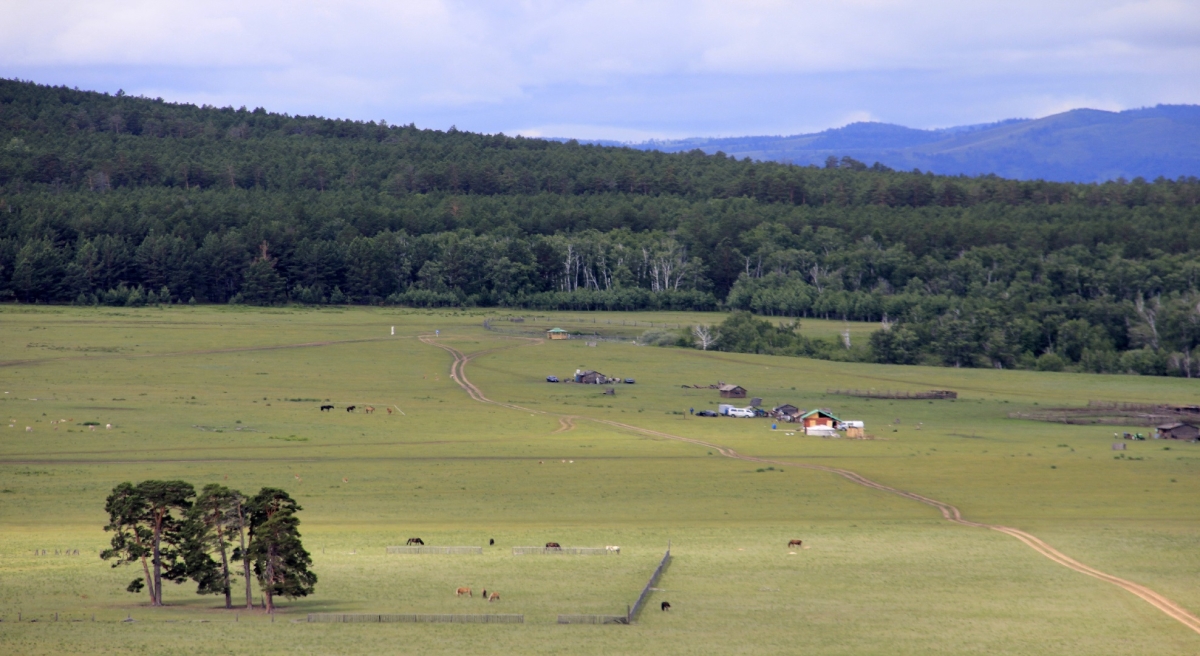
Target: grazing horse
326, 408
553, 545
613, 549
666, 605
350, 408
794, 543
495, 596
368, 409
484, 597
464, 591
416, 541
389, 410
491, 541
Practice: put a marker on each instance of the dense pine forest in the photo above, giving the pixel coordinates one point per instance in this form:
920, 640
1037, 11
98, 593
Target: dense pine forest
119, 200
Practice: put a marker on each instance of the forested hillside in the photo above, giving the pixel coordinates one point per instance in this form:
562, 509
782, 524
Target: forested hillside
113, 199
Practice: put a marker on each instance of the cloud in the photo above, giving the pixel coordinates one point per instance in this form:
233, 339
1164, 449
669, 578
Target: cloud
653, 67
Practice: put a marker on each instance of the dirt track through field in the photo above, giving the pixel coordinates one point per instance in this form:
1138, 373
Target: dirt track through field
949, 512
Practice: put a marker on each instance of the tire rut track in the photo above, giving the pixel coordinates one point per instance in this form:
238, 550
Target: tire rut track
949, 512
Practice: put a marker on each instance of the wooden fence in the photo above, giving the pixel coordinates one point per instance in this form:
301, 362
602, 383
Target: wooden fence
563, 551
889, 394
593, 619
641, 600
452, 551
415, 617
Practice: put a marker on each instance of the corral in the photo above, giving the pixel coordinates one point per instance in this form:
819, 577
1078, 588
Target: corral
885, 572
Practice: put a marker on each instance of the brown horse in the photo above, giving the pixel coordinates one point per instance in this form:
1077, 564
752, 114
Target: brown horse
416, 541
368, 409
495, 597
389, 410
464, 591
795, 543
553, 545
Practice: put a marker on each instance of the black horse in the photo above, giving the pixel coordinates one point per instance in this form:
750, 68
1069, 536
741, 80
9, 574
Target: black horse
416, 541
350, 408
326, 408
666, 605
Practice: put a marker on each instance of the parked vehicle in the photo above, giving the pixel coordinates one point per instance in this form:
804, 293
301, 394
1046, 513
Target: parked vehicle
630, 381
707, 413
745, 413
551, 379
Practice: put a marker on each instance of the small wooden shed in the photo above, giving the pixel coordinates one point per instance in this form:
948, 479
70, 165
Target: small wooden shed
786, 412
591, 378
557, 333
819, 418
732, 391
1179, 431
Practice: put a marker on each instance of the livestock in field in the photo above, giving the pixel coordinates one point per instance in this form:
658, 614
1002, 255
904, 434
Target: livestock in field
495, 596
794, 543
368, 409
613, 549
463, 591
553, 545
389, 410
326, 408
107, 426
350, 408
29, 429
484, 596
666, 605
416, 541
491, 541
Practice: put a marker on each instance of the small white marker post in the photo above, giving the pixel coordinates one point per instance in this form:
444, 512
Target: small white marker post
393, 330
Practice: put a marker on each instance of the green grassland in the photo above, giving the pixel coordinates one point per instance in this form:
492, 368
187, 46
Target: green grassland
231, 395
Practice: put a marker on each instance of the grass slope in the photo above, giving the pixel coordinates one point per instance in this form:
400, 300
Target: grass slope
882, 574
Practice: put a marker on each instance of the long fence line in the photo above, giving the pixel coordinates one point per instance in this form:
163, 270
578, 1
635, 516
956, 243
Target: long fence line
451, 551
641, 600
432, 618
888, 394
596, 337
560, 551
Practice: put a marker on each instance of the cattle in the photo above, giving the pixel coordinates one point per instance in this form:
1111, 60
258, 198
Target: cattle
350, 408
794, 543
613, 549
464, 591
666, 605
416, 541
553, 545
326, 408
368, 409
495, 596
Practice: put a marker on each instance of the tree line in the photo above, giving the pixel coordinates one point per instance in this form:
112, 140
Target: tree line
211, 538
115, 200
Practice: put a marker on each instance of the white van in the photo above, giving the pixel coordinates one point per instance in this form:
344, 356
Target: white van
741, 412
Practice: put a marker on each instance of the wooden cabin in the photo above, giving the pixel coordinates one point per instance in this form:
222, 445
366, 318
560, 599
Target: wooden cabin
819, 418
1179, 431
557, 333
786, 412
732, 391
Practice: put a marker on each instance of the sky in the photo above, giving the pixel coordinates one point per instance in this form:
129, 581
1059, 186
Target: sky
621, 70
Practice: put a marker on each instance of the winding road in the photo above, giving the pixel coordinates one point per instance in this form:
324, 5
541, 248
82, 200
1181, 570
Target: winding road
949, 512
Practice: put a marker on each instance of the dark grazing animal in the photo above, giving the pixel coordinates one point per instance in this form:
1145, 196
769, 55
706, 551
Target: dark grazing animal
484, 594
794, 543
553, 545
416, 541
491, 542
666, 605
350, 408
326, 408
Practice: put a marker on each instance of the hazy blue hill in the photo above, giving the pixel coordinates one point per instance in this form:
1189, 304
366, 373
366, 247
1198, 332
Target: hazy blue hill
1082, 145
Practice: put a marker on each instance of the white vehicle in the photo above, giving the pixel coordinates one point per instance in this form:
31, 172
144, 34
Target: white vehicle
741, 412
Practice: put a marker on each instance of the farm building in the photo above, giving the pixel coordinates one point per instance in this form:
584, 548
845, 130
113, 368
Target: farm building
732, 391
1179, 431
591, 377
819, 418
557, 333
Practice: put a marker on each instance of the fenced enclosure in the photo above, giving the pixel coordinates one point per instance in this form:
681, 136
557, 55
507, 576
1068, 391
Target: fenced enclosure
593, 619
889, 394
435, 618
641, 600
445, 551
561, 551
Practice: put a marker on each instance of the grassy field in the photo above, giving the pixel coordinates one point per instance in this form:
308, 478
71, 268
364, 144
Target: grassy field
230, 395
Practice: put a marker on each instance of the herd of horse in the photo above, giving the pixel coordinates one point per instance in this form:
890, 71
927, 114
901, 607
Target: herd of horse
351, 408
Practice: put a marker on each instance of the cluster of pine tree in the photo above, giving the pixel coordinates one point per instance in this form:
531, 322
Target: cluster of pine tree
117, 200
212, 538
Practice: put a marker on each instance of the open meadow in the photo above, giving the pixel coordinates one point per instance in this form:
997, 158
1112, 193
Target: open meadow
231, 395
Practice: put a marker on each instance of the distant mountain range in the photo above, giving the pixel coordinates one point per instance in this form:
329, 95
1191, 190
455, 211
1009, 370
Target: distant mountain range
1082, 145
